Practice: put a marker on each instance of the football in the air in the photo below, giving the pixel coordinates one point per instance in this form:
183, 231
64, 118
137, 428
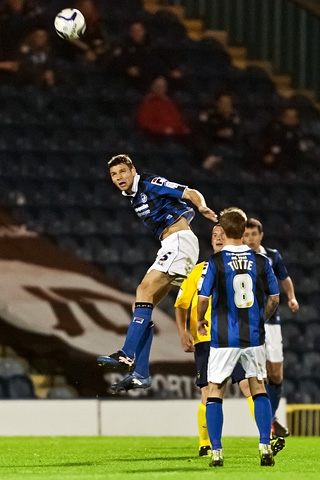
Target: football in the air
70, 24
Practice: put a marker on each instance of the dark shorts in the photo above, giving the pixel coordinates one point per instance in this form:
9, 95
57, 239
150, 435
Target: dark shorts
201, 356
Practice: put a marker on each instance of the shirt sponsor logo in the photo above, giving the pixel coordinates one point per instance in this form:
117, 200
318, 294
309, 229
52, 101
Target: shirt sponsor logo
142, 210
158, 180
171, 184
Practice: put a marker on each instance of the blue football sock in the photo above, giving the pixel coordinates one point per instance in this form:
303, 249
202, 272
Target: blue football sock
214, 416
143, 352
140, 321
262, 413
274, 392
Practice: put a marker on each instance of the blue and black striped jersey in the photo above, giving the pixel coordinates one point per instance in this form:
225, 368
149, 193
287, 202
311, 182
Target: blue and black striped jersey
158, 203
280, 270
239, 281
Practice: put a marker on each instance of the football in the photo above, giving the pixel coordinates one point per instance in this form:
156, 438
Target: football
69, 24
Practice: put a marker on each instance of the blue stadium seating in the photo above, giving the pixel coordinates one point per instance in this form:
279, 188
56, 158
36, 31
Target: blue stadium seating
20, 387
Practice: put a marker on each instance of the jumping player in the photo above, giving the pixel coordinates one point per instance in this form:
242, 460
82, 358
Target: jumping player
160, 205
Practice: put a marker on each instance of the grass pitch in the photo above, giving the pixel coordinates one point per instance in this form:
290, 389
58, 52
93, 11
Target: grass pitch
149, 458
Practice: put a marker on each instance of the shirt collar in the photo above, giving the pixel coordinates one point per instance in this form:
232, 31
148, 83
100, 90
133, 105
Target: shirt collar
262, 250
134, 187
236, 248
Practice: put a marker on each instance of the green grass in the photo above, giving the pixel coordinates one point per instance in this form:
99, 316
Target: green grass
149, 458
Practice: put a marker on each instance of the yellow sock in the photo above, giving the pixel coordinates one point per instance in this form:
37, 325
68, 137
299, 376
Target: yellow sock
251, 407
202, 426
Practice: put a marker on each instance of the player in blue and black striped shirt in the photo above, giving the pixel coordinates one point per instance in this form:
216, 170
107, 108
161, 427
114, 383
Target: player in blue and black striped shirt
252, 237
161, 206
244, 293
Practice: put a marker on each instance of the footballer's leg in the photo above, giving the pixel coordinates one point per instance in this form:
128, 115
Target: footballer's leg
152, 283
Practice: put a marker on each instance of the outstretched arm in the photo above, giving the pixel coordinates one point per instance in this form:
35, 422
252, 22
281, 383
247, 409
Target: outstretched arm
198, 200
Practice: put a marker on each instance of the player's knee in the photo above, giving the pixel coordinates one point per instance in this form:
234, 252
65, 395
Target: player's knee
142, 289
275, 377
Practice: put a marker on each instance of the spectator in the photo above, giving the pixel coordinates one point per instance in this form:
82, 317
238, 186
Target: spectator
218, 132
140, 60
282, 143
8, 71
159, 116
37, 65
17, 19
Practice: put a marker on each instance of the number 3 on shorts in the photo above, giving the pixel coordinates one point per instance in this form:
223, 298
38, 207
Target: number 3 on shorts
243, 294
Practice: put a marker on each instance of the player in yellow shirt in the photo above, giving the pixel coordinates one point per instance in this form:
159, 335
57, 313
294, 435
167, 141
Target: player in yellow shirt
186, 307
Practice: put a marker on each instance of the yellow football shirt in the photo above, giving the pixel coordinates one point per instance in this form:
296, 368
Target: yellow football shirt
188, 298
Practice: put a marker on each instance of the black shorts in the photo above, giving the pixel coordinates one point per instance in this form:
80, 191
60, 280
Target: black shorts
201, 356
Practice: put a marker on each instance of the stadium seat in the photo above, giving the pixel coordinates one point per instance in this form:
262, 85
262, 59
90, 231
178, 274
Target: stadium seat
11, 366
79, 221
3, 388
292, 335
309, 285
118, 275
296, 249
313, 334
290, 388
293, 368
51, 221
97, 249
61, 393
301, 396
120, 9
69, 242
20, 387
166, 27
308, 390
311, 365
10, 164
306, 313
138, 271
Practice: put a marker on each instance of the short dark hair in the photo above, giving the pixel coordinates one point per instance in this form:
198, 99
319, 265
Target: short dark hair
216, 225
253, 223
233, 221
118, 159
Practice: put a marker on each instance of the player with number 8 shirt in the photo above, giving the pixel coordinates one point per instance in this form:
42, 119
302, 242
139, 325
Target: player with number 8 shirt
245, 293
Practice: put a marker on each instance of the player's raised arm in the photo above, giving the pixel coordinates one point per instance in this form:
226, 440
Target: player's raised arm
198, 200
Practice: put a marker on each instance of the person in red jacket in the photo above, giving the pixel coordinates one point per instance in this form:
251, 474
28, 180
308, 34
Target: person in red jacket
159, 116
